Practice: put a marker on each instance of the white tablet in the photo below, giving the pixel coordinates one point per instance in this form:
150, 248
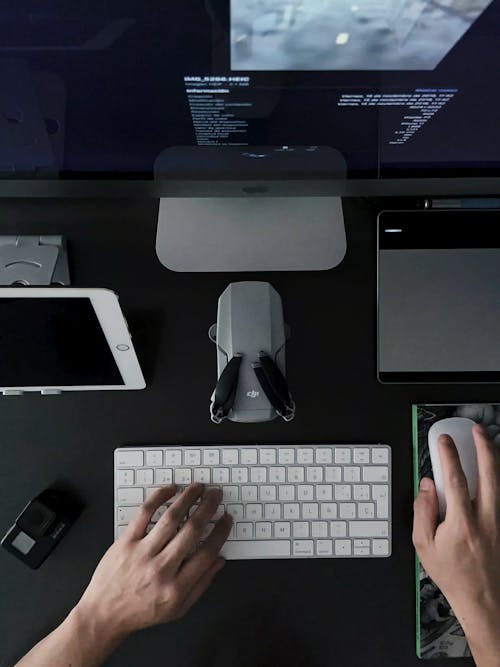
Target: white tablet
64, 339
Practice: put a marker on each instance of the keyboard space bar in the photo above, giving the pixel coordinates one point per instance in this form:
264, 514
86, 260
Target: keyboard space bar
241, 550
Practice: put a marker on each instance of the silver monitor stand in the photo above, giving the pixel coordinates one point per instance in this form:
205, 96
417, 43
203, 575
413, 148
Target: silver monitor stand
250, 233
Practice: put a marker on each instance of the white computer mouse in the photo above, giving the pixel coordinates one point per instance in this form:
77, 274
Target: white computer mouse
460, 429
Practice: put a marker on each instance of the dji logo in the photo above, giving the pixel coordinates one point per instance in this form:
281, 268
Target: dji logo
253, 393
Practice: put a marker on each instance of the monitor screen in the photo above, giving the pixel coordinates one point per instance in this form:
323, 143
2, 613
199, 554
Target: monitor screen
401, 88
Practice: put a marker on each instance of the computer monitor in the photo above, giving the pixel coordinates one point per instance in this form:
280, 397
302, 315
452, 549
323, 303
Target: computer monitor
250, 118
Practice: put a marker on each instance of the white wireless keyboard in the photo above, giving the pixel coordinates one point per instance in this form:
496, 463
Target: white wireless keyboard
287, 501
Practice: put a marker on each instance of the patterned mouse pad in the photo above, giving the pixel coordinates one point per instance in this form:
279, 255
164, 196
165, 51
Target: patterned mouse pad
439, 634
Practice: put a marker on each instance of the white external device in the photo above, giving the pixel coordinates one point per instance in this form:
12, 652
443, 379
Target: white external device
64, 339
287, 501
460, 430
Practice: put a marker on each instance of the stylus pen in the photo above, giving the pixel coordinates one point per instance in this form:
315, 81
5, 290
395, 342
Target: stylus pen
472, 202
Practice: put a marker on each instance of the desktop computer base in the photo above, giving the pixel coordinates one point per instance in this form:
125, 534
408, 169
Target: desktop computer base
250, 233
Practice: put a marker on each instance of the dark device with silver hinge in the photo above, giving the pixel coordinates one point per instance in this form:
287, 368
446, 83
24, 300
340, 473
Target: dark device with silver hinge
250, 335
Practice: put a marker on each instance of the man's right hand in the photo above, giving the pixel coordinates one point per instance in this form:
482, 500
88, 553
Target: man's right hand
462, 554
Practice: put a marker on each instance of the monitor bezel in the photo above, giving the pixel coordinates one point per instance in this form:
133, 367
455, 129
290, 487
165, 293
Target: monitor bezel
151, 188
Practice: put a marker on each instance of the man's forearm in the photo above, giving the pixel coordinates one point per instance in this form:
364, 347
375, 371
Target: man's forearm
482, 630
80, 641
487, 654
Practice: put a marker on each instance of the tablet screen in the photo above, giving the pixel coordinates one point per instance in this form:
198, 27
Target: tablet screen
56, 342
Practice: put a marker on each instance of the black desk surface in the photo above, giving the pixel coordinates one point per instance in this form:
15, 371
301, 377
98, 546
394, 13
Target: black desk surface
311, 613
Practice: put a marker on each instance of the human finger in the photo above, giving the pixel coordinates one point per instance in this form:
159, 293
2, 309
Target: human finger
167, 525
456, 491
488, 468
203, 559
425, 515
140, 521
190, 534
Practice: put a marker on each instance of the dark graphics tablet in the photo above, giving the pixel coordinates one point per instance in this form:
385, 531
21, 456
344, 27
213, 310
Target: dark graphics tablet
439, 296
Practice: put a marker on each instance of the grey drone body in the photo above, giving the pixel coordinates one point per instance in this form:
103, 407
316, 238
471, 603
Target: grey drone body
249, 322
